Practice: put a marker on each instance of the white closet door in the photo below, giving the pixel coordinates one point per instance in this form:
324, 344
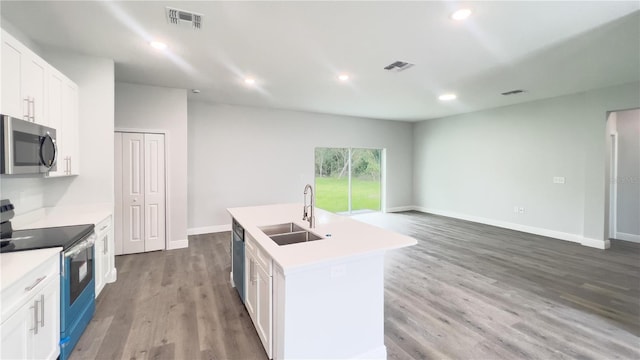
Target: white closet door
154, 197
133, 197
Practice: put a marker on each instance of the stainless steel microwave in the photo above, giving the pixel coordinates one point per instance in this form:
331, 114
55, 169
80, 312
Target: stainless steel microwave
27, 148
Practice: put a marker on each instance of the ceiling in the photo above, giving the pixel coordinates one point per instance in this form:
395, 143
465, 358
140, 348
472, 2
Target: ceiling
296, 50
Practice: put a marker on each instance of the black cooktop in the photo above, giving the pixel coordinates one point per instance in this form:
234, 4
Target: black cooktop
32, 239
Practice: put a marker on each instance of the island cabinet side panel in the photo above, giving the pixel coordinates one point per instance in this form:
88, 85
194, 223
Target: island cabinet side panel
331, 312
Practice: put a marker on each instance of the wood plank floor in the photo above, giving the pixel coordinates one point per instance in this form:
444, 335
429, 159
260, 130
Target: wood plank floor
466, 291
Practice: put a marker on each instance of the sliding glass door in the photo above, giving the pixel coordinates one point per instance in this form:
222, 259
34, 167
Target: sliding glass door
348, 180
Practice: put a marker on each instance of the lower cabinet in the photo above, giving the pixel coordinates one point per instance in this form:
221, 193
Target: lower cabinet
33, 331
104, 253
259, 294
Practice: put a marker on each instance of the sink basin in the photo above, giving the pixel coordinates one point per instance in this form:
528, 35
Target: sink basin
294, 237
280, 228
288, 233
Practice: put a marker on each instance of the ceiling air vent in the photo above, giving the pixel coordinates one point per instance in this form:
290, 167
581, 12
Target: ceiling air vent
398, 66
512, 92
184, 18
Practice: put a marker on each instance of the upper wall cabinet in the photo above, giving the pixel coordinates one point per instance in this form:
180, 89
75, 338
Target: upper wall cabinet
35, 91
24, 82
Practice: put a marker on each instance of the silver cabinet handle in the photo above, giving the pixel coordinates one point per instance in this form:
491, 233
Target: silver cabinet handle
104, 227
38, 281
26, 115
69, 165
42, 310
105, 248
35, 317
33, 109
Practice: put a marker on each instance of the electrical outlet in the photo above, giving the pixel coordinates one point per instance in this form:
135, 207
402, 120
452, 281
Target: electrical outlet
520, 210
558, 179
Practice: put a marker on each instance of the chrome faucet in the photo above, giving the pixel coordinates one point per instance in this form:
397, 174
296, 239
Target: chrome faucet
306, 213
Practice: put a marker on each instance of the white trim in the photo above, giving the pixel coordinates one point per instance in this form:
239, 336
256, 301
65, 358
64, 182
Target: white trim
613, 186
178, 244
627, 237
595, 243
209, 229
401, 208
377, 353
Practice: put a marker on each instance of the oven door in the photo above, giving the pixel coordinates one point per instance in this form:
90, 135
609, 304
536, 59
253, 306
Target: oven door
77, 282
28, 148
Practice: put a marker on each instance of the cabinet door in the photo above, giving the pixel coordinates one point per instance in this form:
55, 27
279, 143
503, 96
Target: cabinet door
251, 282
70, 127
16, 334
34, 75
99, 262
56, 83
263, 325
110, 260
11, 78
45, 342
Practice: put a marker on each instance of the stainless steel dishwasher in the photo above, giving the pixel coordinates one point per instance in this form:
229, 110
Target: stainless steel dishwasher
237, 243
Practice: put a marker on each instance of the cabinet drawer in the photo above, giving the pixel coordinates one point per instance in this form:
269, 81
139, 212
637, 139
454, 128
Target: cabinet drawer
103, 225
15, 295
262, 257
263, 260
250, 244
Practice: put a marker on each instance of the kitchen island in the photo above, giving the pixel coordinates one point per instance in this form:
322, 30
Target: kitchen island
316, 299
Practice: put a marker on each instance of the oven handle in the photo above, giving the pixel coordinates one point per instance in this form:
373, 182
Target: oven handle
83, 245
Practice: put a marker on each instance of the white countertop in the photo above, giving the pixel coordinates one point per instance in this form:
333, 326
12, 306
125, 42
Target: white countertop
62, 216
349, 237
15, 265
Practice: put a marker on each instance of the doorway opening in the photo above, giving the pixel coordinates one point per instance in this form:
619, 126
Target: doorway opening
623, 170
349, 180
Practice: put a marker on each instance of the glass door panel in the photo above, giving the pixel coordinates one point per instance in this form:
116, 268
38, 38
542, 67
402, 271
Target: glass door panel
365, 179
332, 179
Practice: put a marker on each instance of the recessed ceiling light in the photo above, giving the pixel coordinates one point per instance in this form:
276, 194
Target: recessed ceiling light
249, 81
195, 91
461, 14
158, 45
343, 77
447, 97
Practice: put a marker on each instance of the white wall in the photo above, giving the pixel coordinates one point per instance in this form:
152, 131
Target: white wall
628, 212
95, 79
482, 164
157, 108
243, 156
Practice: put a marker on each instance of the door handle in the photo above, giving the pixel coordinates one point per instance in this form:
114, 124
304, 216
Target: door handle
42, 310
35, 317
26, 115
38, 280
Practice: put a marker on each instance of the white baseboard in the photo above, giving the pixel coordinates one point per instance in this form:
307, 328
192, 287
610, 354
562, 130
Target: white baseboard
209, 229
178, 244
401, 208
627, 237
377, 353
595, 243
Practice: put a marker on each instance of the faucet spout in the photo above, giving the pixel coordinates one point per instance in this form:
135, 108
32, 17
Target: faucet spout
308, 211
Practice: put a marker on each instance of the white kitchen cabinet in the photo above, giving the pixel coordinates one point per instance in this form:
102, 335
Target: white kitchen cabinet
11, 78
259, 292
30, 327
63, 116
104, 254
251, 291
24, 82
264, 308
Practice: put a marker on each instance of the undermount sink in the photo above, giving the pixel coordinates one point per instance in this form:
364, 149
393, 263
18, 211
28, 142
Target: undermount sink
280, 228
288, 233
